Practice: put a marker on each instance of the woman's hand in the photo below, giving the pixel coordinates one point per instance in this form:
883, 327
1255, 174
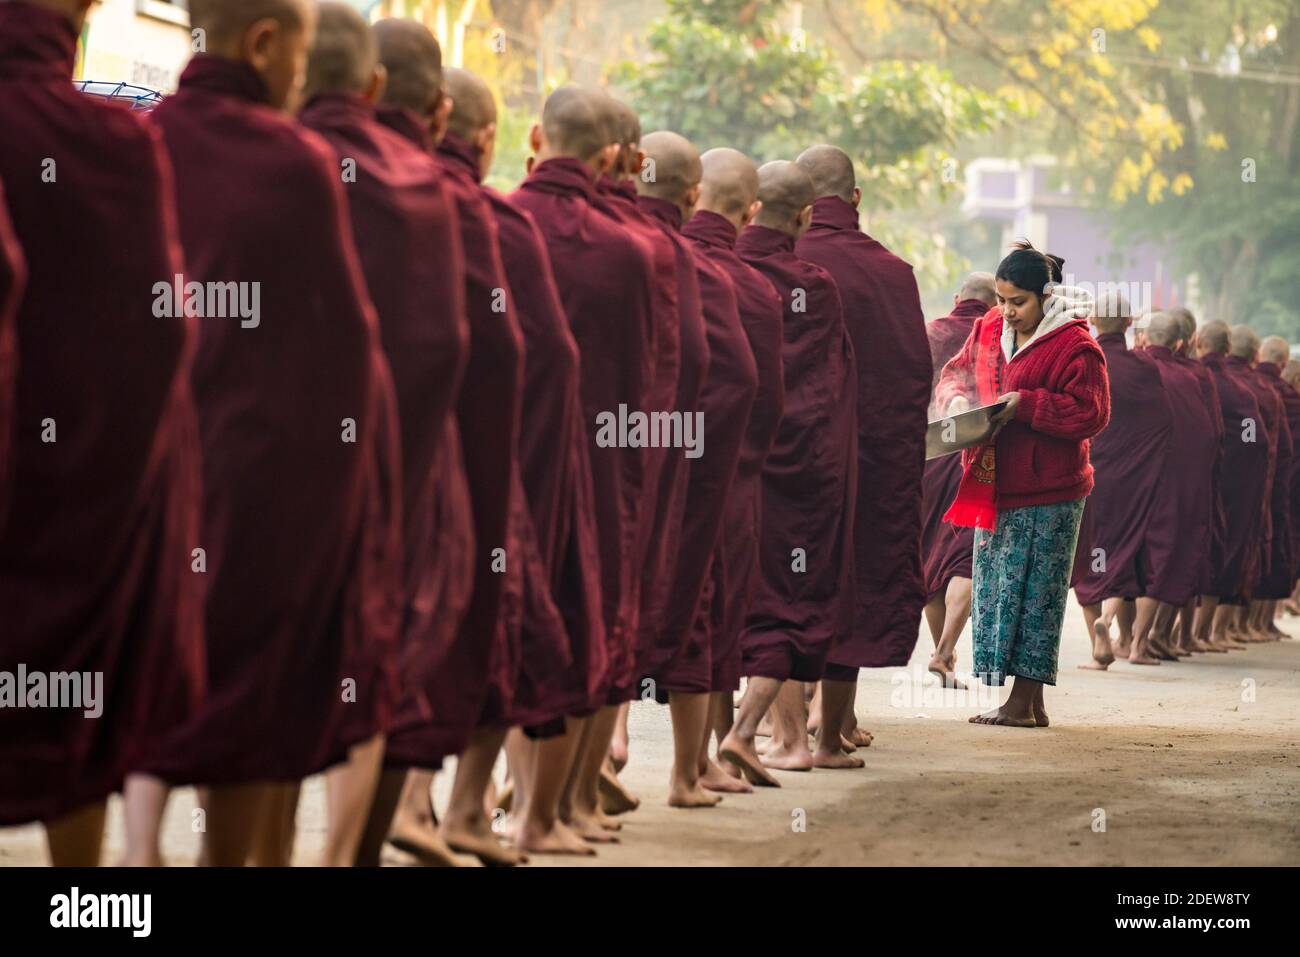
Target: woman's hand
1012, 400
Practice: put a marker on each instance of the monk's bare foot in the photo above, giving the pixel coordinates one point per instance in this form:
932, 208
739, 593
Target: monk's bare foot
836, 760
1137, 658
482, 844
506, 796
716, 779
1006, 718
614, 798
1102, 654
427, 847
1094, 666
561, 839
682, 795
942, 670
795, 757
764, 726
743, 755
588, 827
1123, 649
847, 745
860, 738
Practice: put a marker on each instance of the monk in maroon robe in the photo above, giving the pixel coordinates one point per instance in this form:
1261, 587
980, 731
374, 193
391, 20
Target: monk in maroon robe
1243, 476
1275, 352
469, 696
1276, 583
728, 202
605, 278
883, 311
1180, 527
13, 279
1128, 459
803, 595
397, 198
947, 550
102, 473
680, 663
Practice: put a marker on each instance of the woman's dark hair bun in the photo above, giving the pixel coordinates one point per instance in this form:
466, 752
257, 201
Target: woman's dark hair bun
1030, 268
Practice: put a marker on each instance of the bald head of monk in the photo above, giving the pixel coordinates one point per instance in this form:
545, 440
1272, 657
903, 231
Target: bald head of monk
271, 36
575, 124
1291, 372
344, 59
672, 170
1212, 338
831, 171
729, 186
1243, 342
978, 285
785, 196
1111, 312
413, 61
1276, 350
473, 113
1184, 316
1165, 329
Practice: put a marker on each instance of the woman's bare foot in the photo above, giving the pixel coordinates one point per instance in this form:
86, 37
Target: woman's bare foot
1040, 715
716, 779
998, 716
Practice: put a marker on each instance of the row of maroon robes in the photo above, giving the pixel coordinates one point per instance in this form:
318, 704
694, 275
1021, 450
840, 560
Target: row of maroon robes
946, 550
735, 568
882, 309
407, 236
1291, 406
1275, 581
13, 279
95, 549
1128, 459
1243, 480
682, 657
1210, 397
803, 596
1268, 432
605, 280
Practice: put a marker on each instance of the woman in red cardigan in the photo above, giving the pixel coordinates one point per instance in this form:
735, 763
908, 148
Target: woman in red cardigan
1024, 489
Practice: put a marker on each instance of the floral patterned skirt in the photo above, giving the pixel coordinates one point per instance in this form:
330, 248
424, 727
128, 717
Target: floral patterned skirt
1022, 578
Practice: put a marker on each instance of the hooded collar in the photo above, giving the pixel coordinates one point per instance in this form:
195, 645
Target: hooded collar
35, 41
461, 152
562, 175
1270, 369
407, 123
1163, 353
969, 309
1238, 363
1118, 339
1213, 359
1065, 306
336, 108
764, 240
835, 213
661, 210
218, 74
711, 229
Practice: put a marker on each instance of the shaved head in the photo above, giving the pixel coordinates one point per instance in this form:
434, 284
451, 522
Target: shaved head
1243, 342
981, 286
576, 122
225, 21
472, 108
344, 56
1165, 329
831, 171
413, 59
785, 192
673, 166
729, 185
1213, 337
1291, 371
1274, 349
1111, 311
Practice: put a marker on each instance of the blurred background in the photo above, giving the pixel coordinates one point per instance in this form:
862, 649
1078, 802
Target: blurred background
1152, 144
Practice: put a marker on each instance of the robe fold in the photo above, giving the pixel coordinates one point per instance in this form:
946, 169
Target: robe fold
682, 658
1269, 431
1243, 479
1128, 460
882, 310
406, 230
1291, 405
561, 577
1278, 582
946, 549
1209, 394
803, 595
13, 279
605, 279
97, 600
1181, 524
735, 571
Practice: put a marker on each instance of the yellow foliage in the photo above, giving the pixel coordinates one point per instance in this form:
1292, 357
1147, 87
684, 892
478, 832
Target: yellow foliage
1181, 184
1216, 141
1156, 186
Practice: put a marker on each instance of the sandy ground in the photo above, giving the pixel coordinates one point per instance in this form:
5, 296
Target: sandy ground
1195, 763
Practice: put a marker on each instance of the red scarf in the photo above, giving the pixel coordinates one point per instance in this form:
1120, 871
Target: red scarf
976, 502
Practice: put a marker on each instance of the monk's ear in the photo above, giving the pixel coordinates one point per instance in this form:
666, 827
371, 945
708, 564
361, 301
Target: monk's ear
259, 44
606, 158
486, 136
691, 199
638, 161
441, 114
750, 213
805, 219
857, 197
535, 138
374, 91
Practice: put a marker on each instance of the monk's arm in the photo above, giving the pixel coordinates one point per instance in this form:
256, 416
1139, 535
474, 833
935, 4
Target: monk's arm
1078, 409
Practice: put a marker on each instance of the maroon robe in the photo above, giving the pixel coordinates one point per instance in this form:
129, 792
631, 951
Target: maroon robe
1128, 459
801, 606
882, 309
1291, 404
13, 279
1269, 430
398, 200
1210, 395
682, 659
1278, 582
103, 466
561, 577
1244, 476
605, 278
735, 570
946, 549
1180, 526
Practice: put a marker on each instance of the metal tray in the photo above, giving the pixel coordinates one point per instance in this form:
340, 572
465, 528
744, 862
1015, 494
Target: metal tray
956, 432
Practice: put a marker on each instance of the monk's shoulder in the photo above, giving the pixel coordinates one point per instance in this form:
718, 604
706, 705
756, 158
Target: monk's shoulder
113, 134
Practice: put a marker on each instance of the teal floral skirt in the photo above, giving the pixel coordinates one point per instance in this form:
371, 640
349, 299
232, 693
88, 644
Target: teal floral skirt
1022, 578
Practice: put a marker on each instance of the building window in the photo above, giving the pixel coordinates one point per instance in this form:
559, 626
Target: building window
172, 11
